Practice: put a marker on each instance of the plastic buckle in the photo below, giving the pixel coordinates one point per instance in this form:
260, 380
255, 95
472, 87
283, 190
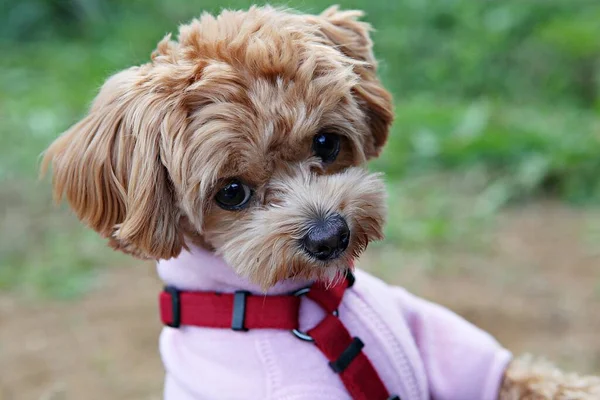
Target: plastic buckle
347, 356
239, 310
176, 306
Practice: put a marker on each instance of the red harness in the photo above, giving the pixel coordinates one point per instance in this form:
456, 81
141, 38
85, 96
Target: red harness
241, 311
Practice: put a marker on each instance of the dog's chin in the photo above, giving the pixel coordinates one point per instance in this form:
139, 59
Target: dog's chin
300, 268
328, 272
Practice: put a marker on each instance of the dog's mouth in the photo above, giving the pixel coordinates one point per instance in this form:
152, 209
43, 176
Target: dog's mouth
351, 265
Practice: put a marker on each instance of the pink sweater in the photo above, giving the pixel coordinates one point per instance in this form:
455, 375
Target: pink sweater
420, 350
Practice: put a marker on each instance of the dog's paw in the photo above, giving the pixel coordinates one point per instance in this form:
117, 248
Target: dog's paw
527, 378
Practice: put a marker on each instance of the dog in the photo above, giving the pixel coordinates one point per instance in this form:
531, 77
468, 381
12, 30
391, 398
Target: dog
236, 159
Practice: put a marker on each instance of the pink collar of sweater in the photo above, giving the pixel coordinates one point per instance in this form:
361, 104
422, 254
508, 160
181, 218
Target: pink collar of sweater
199, 269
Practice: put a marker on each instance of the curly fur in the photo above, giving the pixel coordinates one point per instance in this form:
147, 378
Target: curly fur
242, 95
142, 165
535, 379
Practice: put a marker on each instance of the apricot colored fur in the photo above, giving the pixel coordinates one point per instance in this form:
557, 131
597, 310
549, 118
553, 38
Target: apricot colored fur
242, 95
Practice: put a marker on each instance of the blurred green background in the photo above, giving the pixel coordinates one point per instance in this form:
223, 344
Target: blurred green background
493, 164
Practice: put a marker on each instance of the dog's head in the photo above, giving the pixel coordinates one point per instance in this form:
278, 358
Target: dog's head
247, 135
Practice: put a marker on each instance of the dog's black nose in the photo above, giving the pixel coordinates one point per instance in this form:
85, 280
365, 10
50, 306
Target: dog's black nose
328, 238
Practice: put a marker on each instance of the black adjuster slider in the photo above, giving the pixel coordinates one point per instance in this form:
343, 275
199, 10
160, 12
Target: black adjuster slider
175, 306
347, 356
239, 310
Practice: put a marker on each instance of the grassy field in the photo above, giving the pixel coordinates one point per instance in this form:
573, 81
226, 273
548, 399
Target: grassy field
493, 171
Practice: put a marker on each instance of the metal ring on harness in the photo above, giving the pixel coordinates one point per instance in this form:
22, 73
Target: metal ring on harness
298, 333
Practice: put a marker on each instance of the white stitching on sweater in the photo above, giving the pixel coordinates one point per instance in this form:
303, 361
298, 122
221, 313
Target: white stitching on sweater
265, 352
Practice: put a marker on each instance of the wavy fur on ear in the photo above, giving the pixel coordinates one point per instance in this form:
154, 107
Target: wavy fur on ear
351, 37
110, 166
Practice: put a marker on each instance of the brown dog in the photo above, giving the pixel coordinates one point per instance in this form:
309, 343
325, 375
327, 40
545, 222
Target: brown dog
231, 136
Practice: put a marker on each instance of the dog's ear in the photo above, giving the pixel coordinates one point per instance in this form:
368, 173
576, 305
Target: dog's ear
351, 37
110, 166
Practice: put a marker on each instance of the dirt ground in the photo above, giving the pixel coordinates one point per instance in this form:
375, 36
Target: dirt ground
537, 290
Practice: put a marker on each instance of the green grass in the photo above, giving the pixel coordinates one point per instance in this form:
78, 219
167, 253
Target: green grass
531, 150
44, 250
491, 109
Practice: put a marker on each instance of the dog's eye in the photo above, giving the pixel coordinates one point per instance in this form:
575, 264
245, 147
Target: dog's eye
233, 196
326, 146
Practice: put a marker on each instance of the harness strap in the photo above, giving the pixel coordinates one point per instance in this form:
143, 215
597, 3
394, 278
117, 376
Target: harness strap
344, 352
216, 310
241, 311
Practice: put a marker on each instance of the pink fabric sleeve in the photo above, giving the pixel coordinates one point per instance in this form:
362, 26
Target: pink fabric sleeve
462, 362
